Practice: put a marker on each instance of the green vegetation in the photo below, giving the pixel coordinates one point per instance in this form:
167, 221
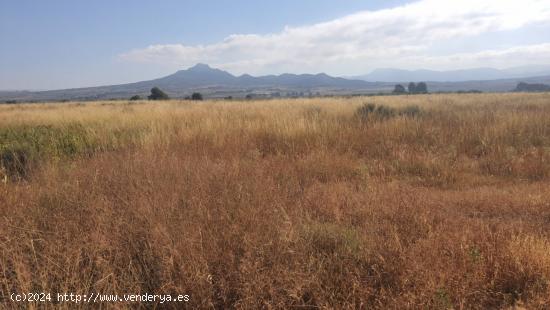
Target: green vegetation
196, 96
399, 89
372, 111
526, 87
157, 94
420, 88
24, 146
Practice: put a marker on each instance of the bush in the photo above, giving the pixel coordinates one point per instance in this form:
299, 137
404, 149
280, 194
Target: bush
382, 112
365, 110
399, 89
135, 98
196, 96
410, 111
157, 94
371, 111
14, 162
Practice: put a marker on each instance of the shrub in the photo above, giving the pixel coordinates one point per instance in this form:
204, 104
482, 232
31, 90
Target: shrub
157, 94
372, 111
196, 96
399, 89
14, 163
382, 112
135, 98
365, 110
410, 111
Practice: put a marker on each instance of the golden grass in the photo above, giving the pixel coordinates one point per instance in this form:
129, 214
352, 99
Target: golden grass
280, 204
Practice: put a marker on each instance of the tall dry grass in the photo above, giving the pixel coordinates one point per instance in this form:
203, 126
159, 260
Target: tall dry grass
280, 204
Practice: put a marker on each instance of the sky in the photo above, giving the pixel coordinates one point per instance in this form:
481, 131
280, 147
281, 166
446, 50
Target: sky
59, 44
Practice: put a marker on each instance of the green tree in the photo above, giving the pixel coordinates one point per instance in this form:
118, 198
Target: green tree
399, 89
157, 94
136, 97
412, 88
421, 88
196, 96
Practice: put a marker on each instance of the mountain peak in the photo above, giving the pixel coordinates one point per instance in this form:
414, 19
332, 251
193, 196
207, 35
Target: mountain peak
200, 67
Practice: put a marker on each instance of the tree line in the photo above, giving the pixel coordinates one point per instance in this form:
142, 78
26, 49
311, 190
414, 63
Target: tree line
158, 94
413, 88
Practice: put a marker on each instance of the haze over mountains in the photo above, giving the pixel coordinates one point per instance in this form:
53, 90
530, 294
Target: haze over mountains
210, 81
203, 75
215, 83
475, 74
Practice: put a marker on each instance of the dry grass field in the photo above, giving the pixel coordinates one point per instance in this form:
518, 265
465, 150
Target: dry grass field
398, 202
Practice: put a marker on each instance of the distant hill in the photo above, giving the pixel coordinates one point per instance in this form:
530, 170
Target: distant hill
502, 85
526, 87
476, 74
215, 83
202, 78
203, 75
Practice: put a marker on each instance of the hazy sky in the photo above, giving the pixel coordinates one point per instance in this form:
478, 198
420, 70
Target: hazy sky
66, 43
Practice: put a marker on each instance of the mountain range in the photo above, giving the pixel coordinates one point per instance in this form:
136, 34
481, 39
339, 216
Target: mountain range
216, 83
201, 78
475, 74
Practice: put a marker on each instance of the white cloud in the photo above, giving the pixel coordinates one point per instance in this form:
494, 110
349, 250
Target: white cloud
499, 58
366, 40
